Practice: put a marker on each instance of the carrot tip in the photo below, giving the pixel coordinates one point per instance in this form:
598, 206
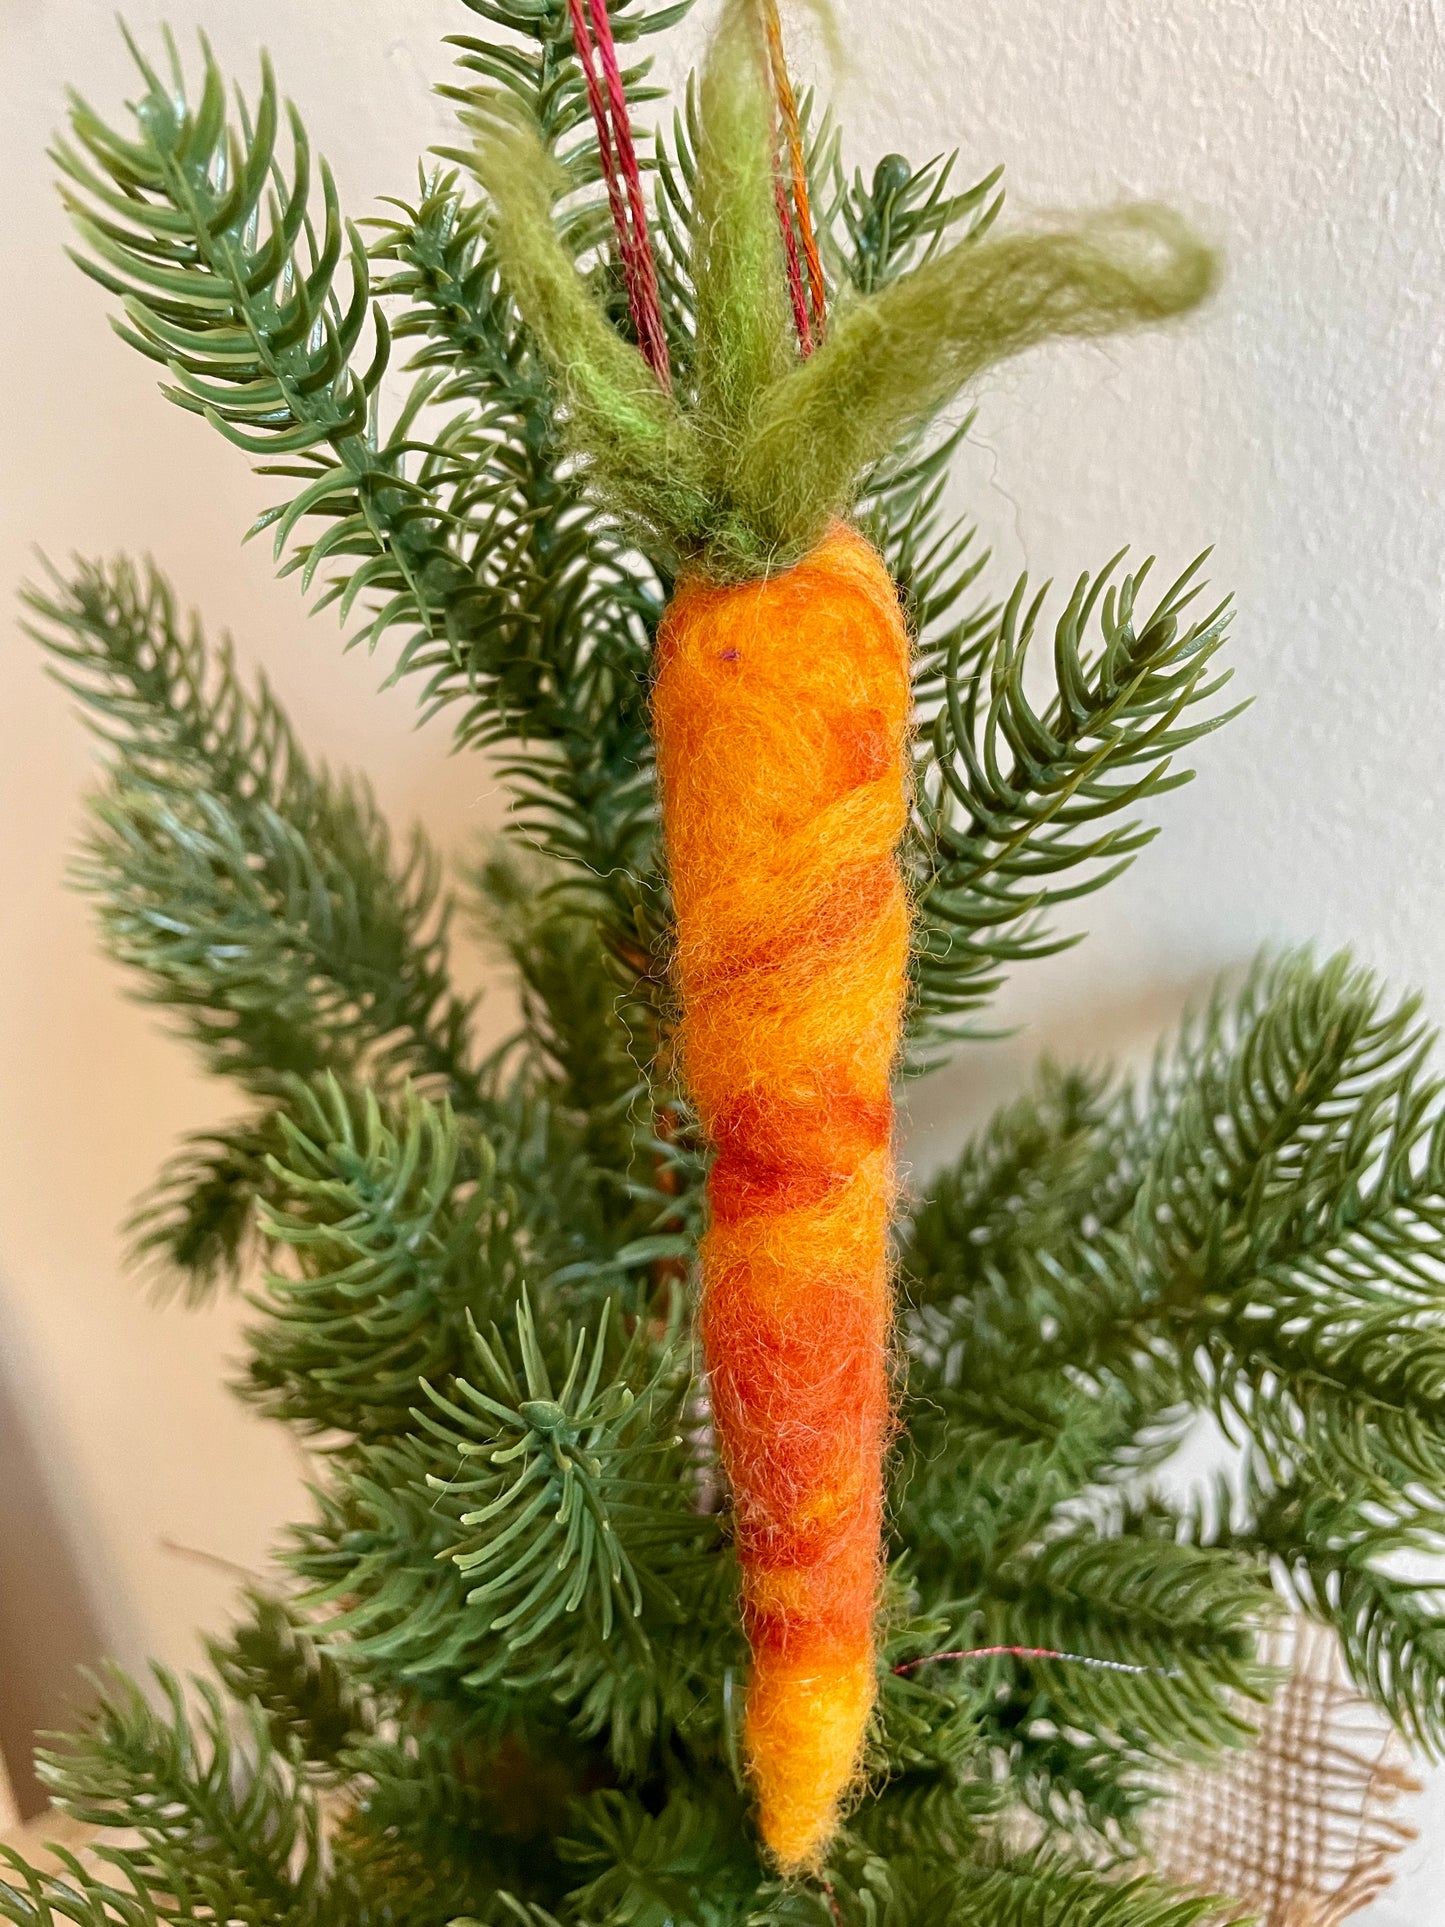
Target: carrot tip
805, 1730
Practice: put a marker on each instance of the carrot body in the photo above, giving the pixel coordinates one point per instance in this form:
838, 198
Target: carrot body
781, 716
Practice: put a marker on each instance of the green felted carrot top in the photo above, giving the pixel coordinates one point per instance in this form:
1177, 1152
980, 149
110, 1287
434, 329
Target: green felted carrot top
741, 473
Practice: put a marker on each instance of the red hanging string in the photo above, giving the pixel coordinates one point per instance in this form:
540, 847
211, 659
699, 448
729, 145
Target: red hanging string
623, 176
596, 101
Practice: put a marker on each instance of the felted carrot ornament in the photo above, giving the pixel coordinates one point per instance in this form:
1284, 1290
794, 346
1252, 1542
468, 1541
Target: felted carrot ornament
781, 715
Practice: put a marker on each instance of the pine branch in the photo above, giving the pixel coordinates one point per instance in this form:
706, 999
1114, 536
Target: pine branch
1265, 1239
931, 560
876, 234
405, 1224
1084, 1745
948, 1819
224, 279
927, 1890
1247, 1233
231, 290
400, 1234
592, 1041
1341, 1560
221, 1825
272, 1659
546, 22
586, 1032
1049, 1165
1010, 1413
594, 1229
449, 1820
1300, 1150
1058, 1895
257, 896
984, 1472
1015, 805
379, 1551
553, 643
74, 1894
596, 1584
1189, 1613
692, 1861
197, 1223
935, 1790
569, 1479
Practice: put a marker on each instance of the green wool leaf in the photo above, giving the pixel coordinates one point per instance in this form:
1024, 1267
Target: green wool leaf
640, 451
772, 449
894, 357
737, 271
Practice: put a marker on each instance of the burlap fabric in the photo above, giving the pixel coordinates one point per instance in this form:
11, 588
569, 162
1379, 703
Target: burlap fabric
1302, 1828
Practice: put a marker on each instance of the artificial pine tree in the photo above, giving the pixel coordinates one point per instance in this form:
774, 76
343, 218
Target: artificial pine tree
504, 1678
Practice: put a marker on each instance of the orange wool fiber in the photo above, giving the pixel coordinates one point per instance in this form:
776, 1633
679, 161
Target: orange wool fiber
781, 712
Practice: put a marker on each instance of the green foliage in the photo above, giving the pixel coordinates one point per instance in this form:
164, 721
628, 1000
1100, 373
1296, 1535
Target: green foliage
450, 1820
232, 281
739, 282
254, 894
572, 1451
510, 1688
922, 1890
594, 1465
198, 1221
1336, 1553
1014, 802
640, 1869
1258, 1234
218, 1823
516, 597
896, 356
274, 1659
580, 1029
399, 1234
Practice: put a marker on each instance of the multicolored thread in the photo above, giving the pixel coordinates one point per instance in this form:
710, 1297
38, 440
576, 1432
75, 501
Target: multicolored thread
1040, 1652
811, 317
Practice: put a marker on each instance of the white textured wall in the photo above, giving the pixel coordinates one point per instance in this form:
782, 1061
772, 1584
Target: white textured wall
1297, 425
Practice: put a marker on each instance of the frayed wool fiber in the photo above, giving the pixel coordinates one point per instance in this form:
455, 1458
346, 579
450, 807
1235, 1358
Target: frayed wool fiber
781, 712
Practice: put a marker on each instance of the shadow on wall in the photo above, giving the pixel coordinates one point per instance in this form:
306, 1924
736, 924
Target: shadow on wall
48, 1623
